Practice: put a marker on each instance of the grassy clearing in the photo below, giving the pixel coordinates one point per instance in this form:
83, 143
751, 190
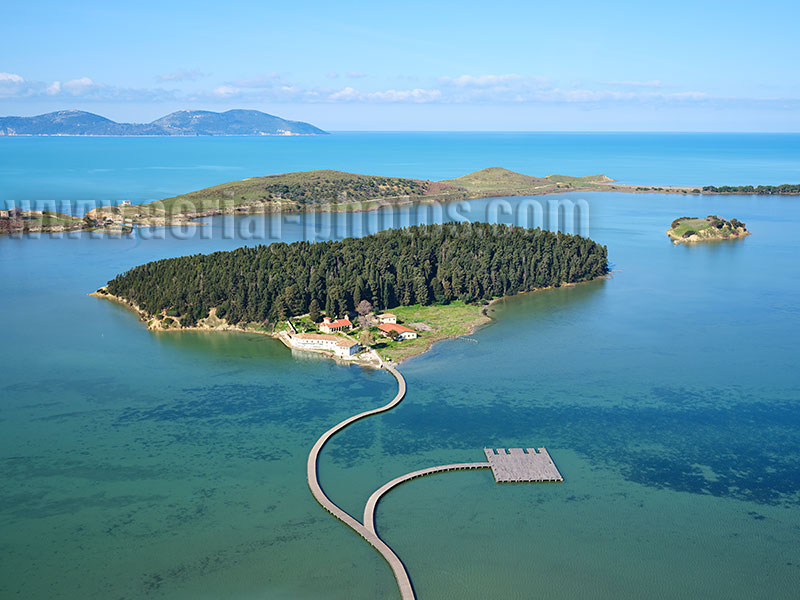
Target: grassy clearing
446, 321
691, 225
569, 180
497, 179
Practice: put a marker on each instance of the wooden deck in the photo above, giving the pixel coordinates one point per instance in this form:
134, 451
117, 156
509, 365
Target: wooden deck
518, 465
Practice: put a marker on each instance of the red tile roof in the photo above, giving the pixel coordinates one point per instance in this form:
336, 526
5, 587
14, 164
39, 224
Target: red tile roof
338, 323
387, 327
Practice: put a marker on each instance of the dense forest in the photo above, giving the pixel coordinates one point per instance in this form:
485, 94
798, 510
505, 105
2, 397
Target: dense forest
766, 190
422, 264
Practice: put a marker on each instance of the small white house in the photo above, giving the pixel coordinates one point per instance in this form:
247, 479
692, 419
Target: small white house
387, 318
403, 332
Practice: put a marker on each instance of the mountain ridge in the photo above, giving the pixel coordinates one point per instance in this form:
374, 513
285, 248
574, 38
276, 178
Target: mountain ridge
179, 123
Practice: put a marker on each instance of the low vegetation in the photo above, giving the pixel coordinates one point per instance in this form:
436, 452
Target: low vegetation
692, 229
434, 323
15, 221
337, 190
761, 190
496, 181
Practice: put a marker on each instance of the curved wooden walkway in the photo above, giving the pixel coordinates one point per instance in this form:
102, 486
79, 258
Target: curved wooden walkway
512, 465
372, 503
400, 573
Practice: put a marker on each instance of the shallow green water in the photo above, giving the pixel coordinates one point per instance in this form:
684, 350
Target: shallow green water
137, 465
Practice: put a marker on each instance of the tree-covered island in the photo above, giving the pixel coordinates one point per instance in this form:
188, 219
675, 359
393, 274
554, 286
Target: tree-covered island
688, 230
433, 277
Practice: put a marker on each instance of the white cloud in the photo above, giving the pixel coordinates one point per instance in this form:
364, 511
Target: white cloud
181, 76
85, 88
350, 94
347, 93
10, 78
480, 80
13, 85
80, 86
688, 95
356, 74
415, 95
463, 89
265, 80
226, 91
653, 83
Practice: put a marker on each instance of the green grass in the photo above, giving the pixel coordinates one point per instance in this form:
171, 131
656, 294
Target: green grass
293, 190
497, 179
337, 190
304, 324
55, 218
711, 228
50, 219
690, 225
447, 321
569, 180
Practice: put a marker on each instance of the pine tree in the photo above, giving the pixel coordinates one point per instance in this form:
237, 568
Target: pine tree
313, 311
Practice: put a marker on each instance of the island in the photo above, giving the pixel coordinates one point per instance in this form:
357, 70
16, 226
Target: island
689, 230
389, 295
182, 122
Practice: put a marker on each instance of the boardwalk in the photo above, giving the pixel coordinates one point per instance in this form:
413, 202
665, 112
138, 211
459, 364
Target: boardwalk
399, 570
515, 464
372, 503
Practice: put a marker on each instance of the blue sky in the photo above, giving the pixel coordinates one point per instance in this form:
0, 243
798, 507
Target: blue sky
676, 66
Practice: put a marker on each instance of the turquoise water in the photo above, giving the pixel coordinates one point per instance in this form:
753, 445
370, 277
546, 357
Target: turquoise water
109, 170
136, 465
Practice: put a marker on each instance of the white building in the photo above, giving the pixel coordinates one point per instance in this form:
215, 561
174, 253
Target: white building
329, 326
340, 346
403, 332
387, 318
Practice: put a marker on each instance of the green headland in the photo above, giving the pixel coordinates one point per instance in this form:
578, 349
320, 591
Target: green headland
311, 191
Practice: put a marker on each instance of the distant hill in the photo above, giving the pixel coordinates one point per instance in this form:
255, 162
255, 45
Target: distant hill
183, 122
497, 179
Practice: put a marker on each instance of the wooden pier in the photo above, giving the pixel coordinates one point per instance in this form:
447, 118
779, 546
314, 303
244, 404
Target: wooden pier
518, 465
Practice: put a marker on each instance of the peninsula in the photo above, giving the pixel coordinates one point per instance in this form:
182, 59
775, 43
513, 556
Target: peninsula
329, 190
689, 230
433, 278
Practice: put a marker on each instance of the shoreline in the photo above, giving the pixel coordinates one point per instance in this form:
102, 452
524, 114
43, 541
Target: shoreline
230, 199
193, 219
374, 358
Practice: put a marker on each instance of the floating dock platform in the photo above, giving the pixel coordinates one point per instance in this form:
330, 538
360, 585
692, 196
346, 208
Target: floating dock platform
522, 465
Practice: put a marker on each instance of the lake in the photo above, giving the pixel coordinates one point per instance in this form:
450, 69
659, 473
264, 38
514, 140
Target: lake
172, 465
